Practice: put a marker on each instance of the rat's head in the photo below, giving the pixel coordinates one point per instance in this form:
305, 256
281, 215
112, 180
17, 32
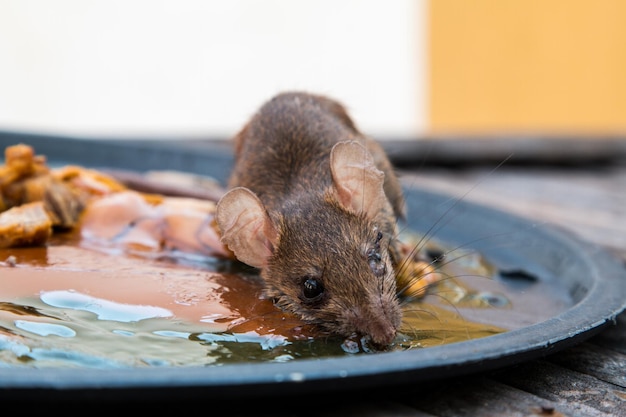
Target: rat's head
332, 267
324, 257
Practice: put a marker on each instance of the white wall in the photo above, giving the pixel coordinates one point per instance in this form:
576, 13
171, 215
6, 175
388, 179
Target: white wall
201, 68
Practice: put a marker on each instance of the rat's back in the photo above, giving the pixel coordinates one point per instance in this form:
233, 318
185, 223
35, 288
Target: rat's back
283, 150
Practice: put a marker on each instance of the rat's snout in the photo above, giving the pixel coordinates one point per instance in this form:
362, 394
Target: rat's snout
382, 334
379, 322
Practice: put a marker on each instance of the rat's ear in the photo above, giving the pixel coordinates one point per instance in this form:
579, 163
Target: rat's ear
245, 226
358, 182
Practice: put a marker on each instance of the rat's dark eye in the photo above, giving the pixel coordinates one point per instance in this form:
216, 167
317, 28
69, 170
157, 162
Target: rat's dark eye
312, 290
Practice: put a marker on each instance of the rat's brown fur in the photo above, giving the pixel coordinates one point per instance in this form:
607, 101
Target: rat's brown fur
299, 220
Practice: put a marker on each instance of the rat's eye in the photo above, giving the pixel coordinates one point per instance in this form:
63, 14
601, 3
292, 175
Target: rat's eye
312, 289
374, 258
376, 263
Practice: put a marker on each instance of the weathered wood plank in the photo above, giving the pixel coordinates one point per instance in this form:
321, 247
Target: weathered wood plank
375, 409
563, 386
596, 361
482, 396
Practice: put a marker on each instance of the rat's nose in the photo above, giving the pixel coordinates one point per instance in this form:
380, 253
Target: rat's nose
377, 318
382, 333
382, 325
387, 318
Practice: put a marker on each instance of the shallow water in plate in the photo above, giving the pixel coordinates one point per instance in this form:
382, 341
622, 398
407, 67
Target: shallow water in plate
66, 305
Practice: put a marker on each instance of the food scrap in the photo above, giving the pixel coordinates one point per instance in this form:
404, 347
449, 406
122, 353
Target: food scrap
415, 275
36, 201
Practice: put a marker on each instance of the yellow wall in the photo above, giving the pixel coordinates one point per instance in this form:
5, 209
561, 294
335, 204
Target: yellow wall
540, 66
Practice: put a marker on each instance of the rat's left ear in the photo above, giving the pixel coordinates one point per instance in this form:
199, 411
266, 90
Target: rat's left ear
358, 182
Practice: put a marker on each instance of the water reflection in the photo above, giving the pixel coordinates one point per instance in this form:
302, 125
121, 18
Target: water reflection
103, 309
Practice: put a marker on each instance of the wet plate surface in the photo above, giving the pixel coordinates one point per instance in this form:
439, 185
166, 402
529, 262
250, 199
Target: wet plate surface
547, 288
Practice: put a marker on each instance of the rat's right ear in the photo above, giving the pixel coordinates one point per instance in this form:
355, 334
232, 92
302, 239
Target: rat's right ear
245, 226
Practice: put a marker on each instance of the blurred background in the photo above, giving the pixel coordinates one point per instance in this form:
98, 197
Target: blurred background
406, 69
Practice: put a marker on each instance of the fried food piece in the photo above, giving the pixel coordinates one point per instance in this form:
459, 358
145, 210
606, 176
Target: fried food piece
25, 178
25, 225
415, 274
415, 278
20, 162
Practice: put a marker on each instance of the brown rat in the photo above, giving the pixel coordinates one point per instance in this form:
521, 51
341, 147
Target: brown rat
313, 203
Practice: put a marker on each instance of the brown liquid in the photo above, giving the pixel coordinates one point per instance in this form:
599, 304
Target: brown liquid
113, 303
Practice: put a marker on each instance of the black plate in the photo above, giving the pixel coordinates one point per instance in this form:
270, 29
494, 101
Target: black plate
592, 278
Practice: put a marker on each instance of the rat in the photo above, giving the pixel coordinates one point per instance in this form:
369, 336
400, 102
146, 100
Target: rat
313, 203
